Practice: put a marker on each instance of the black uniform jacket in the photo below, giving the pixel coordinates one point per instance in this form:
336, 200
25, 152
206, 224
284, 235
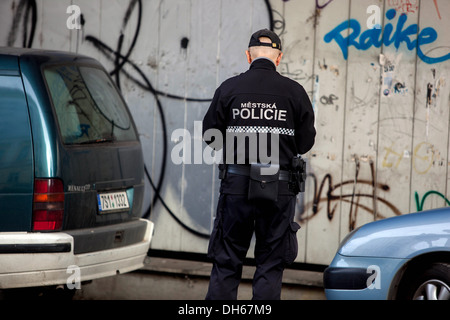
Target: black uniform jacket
262, 101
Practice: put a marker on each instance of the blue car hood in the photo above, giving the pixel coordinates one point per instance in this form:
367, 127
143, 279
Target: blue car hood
403, 236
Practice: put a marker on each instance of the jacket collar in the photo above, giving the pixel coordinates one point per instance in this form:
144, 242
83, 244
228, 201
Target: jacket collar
263, 63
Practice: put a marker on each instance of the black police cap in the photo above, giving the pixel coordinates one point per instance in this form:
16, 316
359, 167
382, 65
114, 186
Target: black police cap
254, 40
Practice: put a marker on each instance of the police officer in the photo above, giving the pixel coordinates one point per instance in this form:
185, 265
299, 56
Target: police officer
257, 102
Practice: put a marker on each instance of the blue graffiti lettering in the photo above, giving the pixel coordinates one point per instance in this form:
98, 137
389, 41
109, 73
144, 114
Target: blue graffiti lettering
377, 37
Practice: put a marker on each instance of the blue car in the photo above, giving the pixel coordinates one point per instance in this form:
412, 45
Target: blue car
71, 173
404, 257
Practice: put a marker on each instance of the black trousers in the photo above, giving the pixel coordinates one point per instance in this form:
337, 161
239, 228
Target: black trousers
276, 246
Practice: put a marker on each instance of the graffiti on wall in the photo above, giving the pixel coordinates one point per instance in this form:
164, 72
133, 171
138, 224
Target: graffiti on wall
25, 18
409, 37
420, 202
335, 194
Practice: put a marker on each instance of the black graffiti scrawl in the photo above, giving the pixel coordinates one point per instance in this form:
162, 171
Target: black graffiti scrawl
24, 18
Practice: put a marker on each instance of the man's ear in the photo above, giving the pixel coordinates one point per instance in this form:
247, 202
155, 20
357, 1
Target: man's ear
278, 60
249, 57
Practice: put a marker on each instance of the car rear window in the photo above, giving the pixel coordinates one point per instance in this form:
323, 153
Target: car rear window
88, 106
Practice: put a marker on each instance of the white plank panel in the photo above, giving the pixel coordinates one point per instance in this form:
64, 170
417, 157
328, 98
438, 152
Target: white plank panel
395, 121
362, 107
431, 117
321, 209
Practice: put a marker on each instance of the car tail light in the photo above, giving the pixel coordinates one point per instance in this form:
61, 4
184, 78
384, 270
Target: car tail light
48, 204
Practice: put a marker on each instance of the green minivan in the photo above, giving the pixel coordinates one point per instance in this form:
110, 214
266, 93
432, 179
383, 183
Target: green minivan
71, 172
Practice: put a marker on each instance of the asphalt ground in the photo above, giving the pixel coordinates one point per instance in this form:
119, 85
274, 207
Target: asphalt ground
176, 279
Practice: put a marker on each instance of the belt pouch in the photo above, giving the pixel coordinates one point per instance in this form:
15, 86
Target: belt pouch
262, 186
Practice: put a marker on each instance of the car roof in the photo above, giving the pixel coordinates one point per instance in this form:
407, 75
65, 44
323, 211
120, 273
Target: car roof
16, 51
45, 55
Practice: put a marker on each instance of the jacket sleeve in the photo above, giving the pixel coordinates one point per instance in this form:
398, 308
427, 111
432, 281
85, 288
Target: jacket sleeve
305, 131
215, 118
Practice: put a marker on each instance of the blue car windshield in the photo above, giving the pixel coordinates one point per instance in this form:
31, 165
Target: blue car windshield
88, 106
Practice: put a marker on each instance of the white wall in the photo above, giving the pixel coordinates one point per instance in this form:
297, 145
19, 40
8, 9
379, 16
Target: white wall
382, 110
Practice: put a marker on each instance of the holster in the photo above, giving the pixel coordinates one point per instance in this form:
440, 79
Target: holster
262, 186
297, 176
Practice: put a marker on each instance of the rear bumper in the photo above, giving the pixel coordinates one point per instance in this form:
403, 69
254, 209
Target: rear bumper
41, 259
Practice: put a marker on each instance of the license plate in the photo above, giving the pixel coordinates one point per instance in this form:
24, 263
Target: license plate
112, 201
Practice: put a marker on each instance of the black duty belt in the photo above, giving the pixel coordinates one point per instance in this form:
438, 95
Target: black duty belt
244, 170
